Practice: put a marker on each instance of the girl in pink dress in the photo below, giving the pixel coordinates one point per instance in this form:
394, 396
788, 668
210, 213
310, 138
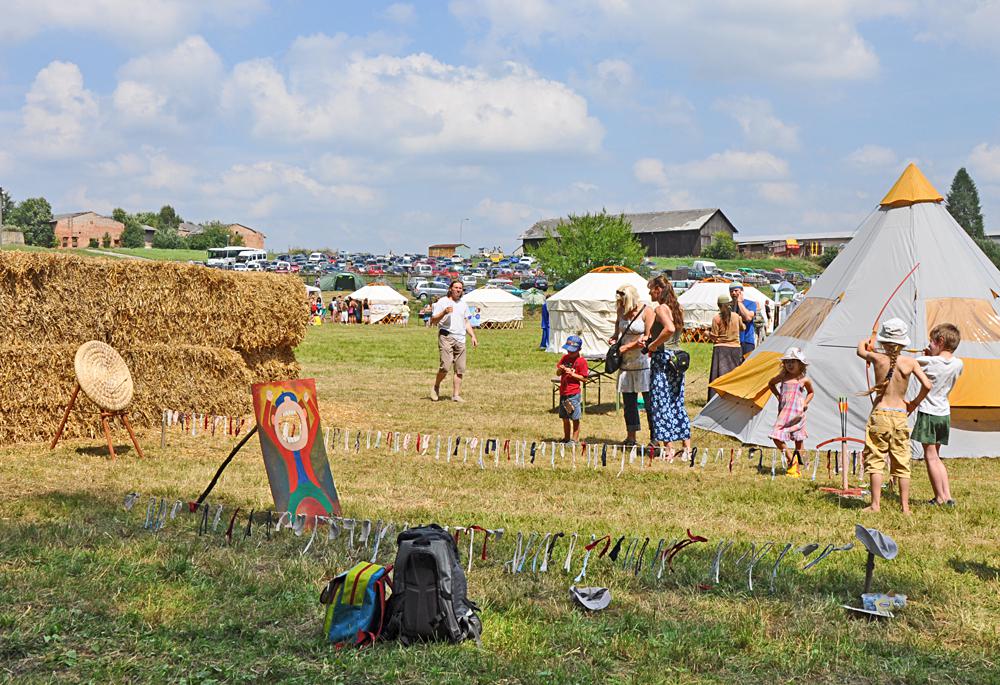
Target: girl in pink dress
794, 392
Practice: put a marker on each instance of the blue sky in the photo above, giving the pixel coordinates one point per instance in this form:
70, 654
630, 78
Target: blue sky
383, 126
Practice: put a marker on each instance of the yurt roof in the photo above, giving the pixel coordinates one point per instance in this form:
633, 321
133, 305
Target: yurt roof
489, 293
378, 293
600, 285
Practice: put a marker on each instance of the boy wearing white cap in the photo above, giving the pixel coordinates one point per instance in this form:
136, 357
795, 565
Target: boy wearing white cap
887, 435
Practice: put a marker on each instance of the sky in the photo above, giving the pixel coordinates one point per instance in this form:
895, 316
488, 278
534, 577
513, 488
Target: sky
391, 126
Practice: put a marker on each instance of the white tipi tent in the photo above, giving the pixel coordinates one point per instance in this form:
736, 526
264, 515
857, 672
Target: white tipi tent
701, 302
911, 260
385, 304
586, 307
497, 307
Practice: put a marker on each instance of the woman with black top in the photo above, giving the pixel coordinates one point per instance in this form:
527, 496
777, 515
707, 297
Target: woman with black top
668, 415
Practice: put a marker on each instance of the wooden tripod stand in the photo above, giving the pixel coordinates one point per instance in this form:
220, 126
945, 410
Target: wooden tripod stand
105, 415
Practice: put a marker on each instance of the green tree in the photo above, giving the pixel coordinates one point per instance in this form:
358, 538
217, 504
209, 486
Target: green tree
723, 247
991, 249
829, 254
586, 242
93, 243
168, 237
214, 234
963, 204
33, 216
7, 205
168, 218
106, 240
148, 218
133, 234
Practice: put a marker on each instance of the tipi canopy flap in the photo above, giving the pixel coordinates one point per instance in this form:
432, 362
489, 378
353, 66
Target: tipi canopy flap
908, 260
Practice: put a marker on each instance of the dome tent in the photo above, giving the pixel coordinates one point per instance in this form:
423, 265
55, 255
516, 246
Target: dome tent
908, 260
701, 301
341, 282
385, 304
497, 307
586, 307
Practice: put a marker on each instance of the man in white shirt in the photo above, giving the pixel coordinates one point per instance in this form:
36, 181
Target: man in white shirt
451, 316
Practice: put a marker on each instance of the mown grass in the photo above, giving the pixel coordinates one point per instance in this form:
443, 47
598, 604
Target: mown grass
159, 254
87, 595
805, 266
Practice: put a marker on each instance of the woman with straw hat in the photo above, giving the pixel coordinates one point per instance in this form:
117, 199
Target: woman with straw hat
725, 333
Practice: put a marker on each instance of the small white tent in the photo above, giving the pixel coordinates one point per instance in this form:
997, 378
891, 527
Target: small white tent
385, 304
909, 260
586, 307
701, 302
497, 307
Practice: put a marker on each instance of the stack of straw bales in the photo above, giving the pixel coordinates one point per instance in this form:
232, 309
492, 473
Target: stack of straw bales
194, 338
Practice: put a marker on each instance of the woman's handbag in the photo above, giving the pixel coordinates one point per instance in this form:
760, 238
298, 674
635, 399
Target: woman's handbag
613, 359
680, 361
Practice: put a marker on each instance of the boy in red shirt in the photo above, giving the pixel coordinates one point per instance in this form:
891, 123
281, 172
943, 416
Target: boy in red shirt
572, 370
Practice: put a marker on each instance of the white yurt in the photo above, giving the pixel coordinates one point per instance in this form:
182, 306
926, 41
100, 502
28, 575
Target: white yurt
497, 308
586, 307
701, 302
385, 304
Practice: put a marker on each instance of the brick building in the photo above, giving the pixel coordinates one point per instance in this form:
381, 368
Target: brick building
251, 236
77, 229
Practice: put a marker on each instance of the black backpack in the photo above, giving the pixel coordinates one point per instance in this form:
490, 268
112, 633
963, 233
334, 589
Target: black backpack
428, 599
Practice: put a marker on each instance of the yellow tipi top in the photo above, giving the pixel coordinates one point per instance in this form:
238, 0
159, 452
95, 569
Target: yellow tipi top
911, 188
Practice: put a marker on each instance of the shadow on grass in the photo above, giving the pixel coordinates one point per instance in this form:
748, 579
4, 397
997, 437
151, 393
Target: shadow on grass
102, 450
977, 568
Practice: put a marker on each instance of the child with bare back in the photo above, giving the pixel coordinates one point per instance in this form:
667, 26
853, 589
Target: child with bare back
887, 435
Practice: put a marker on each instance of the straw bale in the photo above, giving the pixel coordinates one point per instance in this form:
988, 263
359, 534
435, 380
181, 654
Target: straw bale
64, 298
37, 381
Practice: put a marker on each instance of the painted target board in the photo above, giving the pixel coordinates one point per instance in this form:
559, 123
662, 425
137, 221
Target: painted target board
291, 441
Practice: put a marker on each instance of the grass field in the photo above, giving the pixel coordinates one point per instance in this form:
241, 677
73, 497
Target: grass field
87, 595
161, 255
804, 266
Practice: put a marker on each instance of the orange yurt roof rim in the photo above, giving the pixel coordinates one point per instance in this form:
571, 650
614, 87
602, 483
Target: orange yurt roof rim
612, 269
911, 187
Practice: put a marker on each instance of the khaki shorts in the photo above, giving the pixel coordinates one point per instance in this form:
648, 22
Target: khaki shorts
452, 354
887, 437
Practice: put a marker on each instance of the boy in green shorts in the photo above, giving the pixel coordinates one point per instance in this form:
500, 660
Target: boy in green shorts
933, 424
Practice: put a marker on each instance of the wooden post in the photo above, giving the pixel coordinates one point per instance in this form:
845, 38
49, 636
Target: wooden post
128, 426
107, 434
65, 418
163, 431
869, 572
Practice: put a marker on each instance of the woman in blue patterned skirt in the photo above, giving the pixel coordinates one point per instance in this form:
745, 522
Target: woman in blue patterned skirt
670, 420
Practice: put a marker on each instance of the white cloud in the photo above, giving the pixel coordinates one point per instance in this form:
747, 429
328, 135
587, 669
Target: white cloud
150, 168
134, 22
802, 40
733, 165
59, 112
761, 128
168, 87
969, 22
400, 13
270, 185
779, 192
6, 162
873, 157
984, 161
331, 168
510, 214
416, 104
650, 171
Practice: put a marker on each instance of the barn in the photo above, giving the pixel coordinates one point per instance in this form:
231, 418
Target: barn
676, 233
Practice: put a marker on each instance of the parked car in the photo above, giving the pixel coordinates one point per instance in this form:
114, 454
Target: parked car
374, 270
535, 282
681, 285
240, 267
282, 267
697, 274
469, 282
431, 291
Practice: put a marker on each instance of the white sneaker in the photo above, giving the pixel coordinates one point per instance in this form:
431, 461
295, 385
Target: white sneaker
457, 398
434, 395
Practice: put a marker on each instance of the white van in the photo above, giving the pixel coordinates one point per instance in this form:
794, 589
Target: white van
425, 270
252, 257
527, 260
316, 257
706, 266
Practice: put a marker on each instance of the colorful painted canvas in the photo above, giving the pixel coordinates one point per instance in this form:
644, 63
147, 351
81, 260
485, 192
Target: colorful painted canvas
294, 455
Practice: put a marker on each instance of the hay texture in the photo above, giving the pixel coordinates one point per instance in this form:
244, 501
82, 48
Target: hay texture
194, 338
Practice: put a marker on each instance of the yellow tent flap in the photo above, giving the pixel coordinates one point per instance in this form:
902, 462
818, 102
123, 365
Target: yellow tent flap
977, 386
912, 187
749, 380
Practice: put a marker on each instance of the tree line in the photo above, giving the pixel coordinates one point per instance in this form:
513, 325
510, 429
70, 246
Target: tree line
33, 217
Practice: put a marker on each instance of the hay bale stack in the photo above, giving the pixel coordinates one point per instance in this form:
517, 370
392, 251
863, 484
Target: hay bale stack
194, 338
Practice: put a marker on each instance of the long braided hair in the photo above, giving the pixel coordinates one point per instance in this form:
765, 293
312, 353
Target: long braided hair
892, 350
